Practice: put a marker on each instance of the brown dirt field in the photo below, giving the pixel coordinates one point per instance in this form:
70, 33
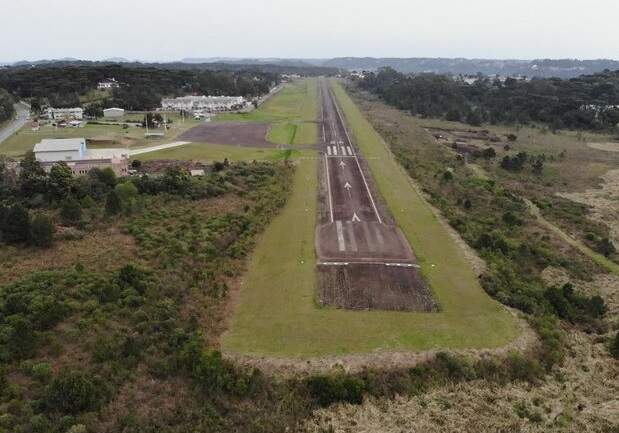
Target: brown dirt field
239, 134
362, 286
99, 251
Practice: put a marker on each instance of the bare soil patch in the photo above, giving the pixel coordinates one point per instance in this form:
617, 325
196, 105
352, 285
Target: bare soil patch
234, 133
609, 146
362, 286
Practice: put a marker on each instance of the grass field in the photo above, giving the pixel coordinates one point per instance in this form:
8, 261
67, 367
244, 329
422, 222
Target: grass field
276, 313
217, 152
108, 135
292, 113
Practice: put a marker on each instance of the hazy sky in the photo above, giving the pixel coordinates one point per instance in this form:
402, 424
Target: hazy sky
173, 29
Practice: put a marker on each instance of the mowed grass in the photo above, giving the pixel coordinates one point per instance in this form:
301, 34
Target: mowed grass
217, 152
276, 313
107, 135
292, 113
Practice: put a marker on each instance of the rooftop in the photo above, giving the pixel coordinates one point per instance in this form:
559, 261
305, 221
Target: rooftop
58, 145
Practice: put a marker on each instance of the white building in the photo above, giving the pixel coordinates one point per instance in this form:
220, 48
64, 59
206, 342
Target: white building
113, 113
109, 83
66, 149
209, 104
80, 160
76, 113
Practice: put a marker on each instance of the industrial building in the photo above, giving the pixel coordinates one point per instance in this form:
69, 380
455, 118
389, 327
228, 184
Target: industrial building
210, 104
113, 113
74, 152
75, 113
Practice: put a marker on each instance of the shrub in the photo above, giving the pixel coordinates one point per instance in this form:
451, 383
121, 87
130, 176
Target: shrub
70, 212
113, 205
614, 346
340, 387
72, 392
42, 231
16, 225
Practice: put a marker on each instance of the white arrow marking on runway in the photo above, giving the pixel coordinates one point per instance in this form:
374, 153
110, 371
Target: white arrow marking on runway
342, 164
355, 217
348, 186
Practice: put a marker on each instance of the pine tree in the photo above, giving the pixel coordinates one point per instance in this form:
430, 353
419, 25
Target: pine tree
113, 205
42, 231
16, 227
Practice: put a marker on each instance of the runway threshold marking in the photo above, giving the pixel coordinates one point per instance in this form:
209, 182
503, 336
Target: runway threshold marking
329, 150
351, 237
340, 236
329, 189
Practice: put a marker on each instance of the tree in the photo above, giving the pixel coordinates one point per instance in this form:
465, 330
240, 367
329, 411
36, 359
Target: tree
60, 177
453, 115
127, 193
136, 164
72, 392
473, 118
113, 205
16, 226
42, 231
32, 177
94, 110
71, 211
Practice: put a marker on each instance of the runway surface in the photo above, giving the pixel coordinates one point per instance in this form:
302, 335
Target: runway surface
363, 262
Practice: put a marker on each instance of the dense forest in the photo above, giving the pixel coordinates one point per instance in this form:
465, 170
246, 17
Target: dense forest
6, 105
141, 88
587, 102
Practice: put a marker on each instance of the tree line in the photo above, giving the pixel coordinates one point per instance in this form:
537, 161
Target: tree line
141, 87
588, 102
6, 105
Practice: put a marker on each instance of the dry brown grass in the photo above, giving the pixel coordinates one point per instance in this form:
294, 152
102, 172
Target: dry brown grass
99, 251
604, 202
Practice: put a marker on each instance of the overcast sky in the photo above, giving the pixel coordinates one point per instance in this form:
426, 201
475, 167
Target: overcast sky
174, 29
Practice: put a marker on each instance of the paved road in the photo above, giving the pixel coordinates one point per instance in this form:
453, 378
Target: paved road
21, 118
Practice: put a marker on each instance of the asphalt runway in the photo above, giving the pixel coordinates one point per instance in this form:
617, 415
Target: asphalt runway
363, 262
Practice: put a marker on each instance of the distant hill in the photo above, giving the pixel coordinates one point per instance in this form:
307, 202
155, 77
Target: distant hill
563, 68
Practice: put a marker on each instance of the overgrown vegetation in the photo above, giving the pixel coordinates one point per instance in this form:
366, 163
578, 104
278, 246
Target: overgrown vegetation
141, 87
6, 105
586, 102
495, 220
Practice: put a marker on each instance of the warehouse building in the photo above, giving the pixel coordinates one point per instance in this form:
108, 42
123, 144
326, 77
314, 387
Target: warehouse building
78, 157
75, 113
113, 113
210, 104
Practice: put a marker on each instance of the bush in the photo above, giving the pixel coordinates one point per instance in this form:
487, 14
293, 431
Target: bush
72, 392
42, 231
113, 205
71, 212
16, 225
341, 387
614, 346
